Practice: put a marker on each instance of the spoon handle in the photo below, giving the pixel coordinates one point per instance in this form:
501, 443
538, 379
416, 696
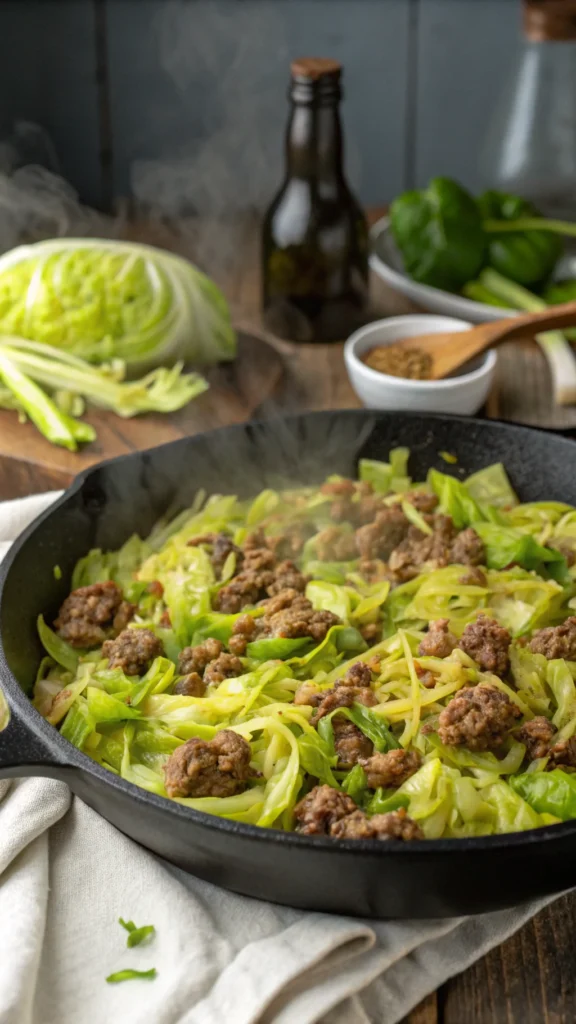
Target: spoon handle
547, 320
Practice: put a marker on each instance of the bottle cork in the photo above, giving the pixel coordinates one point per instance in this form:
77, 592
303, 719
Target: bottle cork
313, 68
549, 20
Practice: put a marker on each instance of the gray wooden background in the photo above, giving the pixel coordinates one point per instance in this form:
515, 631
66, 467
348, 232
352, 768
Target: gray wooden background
183, 102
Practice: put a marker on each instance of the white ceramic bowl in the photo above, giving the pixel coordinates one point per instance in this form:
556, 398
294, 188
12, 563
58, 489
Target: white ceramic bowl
465, 393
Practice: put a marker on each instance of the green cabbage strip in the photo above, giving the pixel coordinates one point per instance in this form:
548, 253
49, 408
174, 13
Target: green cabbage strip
548, 792
25, 365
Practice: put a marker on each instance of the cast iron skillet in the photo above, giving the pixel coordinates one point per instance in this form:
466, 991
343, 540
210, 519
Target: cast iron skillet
104, 506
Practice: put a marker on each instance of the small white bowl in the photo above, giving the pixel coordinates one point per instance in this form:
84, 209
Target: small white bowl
464, 394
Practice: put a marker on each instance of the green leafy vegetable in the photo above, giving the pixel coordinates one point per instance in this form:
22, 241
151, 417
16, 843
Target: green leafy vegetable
548, 792
103, 299
439, 233
526, 257
384, 801
277, 647
57, 648
355, 782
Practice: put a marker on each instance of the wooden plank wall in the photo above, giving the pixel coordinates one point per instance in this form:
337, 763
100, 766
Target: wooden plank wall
184, 101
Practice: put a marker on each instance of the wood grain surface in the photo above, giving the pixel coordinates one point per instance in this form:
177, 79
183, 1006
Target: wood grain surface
530, 979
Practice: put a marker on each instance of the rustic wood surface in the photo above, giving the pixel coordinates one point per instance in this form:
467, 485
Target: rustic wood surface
530, 979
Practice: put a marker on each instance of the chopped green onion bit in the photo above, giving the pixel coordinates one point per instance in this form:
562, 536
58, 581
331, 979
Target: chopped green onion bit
129, 974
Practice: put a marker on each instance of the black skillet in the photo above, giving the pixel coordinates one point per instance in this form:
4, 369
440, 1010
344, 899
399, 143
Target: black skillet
104, 506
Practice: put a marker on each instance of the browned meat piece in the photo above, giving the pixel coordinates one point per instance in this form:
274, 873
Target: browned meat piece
342, 696
439, 642
317, 812
258, 559
374, 571
308, 693
247, 588
378, 539
418, 549
422, 501
562, 754
287, 577
338, 488
291, 541
244, 626
371, 632
476, 577
487, 643
366, 510
537, 735
165, 619
391, 769
123, 616
335, 545
223, 546
296, 618
427, 679
219, 767
202, 538
133, 651
394, 825
155, 588
468, 549
195, 659
190, 686
478, 718
226, 666
350, 743
359, 674
87, 615
243, 631
556, 641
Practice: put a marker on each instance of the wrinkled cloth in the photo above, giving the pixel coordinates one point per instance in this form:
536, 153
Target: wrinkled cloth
66, 876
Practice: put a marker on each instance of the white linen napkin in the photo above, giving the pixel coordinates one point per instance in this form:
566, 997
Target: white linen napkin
66, 876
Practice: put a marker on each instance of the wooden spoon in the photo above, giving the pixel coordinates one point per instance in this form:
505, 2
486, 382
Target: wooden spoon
449, 351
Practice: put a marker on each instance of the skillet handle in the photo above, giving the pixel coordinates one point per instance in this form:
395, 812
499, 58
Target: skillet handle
21, 751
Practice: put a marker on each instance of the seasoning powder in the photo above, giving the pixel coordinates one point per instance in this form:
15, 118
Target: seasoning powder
398, 361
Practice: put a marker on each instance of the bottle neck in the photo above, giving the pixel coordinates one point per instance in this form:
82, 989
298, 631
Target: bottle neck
314, 150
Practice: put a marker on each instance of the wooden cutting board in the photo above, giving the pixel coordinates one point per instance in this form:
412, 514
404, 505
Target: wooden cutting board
29, 463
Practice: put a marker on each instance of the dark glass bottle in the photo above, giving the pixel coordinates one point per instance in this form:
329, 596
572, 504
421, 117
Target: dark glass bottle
315, 237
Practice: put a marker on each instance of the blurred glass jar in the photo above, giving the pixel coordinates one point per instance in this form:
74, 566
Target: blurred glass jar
531, 144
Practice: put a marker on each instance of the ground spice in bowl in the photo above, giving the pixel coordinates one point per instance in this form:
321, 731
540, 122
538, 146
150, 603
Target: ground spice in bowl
411, 363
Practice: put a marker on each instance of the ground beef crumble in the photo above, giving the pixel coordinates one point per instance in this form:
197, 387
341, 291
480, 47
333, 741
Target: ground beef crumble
476, 577
556, 641
487, 643
536, 734
478, 717
226, 666
439, 642
195, 659
133, 651
210, 661
350, 743
291, 615
191, 685
91, 614
320, 809
468, 549
334, 544
219, 767
394, 825
354, 688
378, 540
562, 755
390, 770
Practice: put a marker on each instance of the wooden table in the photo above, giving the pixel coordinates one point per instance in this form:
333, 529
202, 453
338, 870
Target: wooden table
530, 979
